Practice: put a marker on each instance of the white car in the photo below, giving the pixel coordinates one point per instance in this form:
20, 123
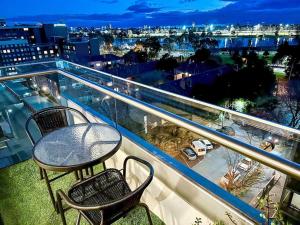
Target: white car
207, 143
245, 164
198, 147
233, 175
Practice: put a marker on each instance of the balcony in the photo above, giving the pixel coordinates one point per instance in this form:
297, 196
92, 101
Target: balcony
155, 125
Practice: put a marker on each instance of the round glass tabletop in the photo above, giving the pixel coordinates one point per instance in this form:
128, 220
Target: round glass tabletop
76, 146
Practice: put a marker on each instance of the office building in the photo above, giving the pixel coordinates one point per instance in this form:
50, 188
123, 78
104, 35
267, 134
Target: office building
17, 51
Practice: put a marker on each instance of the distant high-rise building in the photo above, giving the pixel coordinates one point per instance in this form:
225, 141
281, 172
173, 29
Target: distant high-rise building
31, 33
54, 31
76, 51
95, 46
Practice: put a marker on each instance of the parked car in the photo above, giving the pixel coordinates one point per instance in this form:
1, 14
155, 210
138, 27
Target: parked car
198, 147
245, 164
233, 175
189, 153
207, 143
227, 130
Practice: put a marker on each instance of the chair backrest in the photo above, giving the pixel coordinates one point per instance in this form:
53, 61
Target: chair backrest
129, 201
50, 119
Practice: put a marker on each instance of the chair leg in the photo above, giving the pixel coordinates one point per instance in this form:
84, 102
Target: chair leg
41, 174
50, 190
92, 171
76, 175
61, 210
147, 211
87, 171
78, 219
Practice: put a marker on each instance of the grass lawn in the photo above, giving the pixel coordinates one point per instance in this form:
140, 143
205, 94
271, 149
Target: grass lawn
24, 199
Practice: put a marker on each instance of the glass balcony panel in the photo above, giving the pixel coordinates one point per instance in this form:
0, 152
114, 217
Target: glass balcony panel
246, 179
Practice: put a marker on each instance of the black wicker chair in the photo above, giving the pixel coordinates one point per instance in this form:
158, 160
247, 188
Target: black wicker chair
106, 197
50, 119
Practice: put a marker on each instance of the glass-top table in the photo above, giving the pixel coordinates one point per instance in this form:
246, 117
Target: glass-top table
76, 147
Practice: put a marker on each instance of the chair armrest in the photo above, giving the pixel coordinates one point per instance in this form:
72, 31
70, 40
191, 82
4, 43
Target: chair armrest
62, 196
151, 170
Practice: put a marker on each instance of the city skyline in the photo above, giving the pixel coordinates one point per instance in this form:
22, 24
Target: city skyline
153, 13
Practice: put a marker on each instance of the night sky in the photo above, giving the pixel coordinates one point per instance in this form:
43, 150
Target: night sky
125, 13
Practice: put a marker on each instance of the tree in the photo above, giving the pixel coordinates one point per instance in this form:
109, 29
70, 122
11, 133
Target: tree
237, 59
254, 80
152, 46
168, 44
266, 54
108, 40
246, 181
268, 207
292, 53
167, 63
182, 39
288, 110
132, 57
201, 55
194, 40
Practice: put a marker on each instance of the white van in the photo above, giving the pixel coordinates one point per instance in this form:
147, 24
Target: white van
198, 147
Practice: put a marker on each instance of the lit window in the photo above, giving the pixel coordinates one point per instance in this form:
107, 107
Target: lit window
38, 48
19, 59
33, 57
15, 59
25, 29
40, 56
8, 51
51, 51
4, 51
45, 52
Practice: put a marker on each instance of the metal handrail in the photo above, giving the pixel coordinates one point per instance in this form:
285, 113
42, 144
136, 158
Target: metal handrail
281, 164
29, 64
27, 75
